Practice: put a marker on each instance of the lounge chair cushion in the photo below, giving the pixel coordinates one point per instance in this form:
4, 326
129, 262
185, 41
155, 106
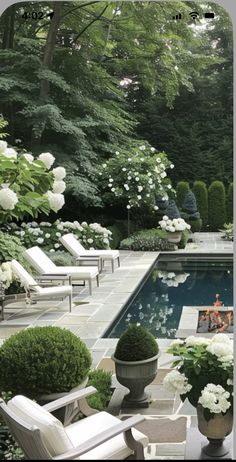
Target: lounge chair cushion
52, 431
113, 449
75, 247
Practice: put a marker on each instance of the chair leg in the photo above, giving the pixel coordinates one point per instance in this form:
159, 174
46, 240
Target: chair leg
90, 286
97, 277
112, 266
118, 260
70, 303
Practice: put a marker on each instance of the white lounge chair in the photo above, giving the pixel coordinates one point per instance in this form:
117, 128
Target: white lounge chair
98, 436
34, 289
76, 249
42, 263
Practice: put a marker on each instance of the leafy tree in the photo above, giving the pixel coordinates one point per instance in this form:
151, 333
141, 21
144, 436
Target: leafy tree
216, 205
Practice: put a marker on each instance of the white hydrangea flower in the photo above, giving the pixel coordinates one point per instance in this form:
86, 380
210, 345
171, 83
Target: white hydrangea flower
139, 197
163, 175
192, 341
124, 169
8, 198
215, 398
3, 146
142, 148
117, 153
47, 235
58, 234
40, 240
84, 223
56, 246
221, 338
29, 157
90, 240
152, 149
51, 250
221, 350
171, 165
140, 188
59, 173
177, 341
47, 158
175, 381
59, 186
10, 152
56, 201
156, 207
128, 206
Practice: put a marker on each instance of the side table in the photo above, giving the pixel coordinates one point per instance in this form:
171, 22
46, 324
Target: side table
90, 260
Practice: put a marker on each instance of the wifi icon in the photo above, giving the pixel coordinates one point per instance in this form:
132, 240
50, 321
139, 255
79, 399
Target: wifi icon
194, 14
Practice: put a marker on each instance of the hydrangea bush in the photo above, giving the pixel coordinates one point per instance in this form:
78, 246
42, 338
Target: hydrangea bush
204, 372
137, 176
27, 185
46, 235
177, 224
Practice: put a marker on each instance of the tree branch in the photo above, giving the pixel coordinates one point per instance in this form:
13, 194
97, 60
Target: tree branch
90, 24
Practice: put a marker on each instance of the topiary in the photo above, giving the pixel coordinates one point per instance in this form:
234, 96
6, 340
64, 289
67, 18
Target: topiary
216, 205
136, 344
182, 189
43, 360
172, 210
229, 203
201, 194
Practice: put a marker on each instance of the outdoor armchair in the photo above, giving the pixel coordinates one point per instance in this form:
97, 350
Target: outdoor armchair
76, 249
45, 266
98, 436
34, 289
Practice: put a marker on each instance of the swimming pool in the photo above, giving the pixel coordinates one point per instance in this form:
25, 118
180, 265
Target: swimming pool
174, 282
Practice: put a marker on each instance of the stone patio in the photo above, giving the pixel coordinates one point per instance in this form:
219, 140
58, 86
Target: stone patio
168, 418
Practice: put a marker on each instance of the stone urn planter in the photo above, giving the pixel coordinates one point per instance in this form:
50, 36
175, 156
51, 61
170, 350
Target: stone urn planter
136, 375
136, 358
215, 429
174, 237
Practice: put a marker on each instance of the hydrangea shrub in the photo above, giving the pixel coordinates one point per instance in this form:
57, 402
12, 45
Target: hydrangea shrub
27, 185
46, 235
136, 177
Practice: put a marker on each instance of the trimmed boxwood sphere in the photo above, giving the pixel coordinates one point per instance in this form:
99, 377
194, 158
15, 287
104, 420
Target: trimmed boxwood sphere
136, 344
43, 360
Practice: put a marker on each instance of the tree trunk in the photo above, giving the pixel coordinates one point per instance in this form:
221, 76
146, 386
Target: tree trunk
9, 29
47, 62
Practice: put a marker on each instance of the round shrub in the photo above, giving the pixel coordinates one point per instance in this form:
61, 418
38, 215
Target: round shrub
182, 189
43, 360
201, 194
229, 203
216, 205
136, 344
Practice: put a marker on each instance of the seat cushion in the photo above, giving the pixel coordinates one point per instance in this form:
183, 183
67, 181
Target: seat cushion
113, 449
105, 254
52, 431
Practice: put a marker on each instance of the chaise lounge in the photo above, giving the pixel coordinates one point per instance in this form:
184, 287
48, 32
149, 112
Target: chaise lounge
42, 263
34, 289
78, 251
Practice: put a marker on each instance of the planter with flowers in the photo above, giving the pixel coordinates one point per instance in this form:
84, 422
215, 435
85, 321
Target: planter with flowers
204, 375
174, 228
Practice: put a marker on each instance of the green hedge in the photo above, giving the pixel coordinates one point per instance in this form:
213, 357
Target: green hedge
147, 240
182, 189
201, 194
229, 203
216, 205
101, 380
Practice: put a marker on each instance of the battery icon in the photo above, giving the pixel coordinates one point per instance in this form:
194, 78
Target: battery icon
209, 15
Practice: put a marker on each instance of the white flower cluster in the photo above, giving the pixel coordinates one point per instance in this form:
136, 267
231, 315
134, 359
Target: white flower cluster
177, 224
215, 398
171, 279
176, 382
9, 198
6, 275
222, 347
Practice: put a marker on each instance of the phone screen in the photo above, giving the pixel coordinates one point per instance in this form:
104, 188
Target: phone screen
116, 128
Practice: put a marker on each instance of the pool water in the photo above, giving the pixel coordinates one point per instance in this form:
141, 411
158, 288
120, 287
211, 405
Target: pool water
175, 282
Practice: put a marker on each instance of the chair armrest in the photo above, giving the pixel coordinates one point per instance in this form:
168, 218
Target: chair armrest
69, 398
102, 437
53, 275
